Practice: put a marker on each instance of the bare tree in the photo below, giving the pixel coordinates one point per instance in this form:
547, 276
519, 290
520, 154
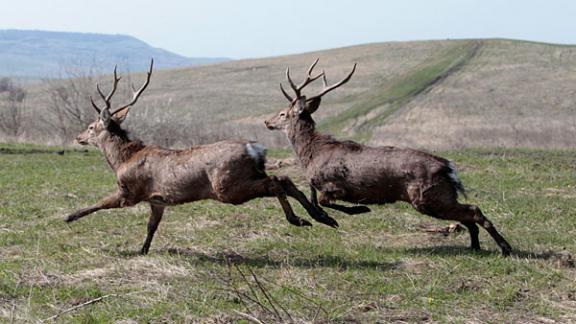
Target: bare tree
67, 98
12, 104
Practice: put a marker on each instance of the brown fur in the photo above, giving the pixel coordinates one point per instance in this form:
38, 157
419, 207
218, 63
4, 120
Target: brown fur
348, 171
225, 171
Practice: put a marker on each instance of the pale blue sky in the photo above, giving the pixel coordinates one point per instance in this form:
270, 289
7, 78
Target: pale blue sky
258, 28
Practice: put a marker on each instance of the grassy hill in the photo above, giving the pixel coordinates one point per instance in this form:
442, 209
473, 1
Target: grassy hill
34, 54
510, 94
429, 94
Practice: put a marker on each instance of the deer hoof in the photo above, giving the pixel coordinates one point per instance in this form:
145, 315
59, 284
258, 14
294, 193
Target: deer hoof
71, 218
506, 250
304, 222
359, 210
297, 221
331, 222
321, 216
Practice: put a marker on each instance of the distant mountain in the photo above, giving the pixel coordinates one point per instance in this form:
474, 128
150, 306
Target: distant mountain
37, 54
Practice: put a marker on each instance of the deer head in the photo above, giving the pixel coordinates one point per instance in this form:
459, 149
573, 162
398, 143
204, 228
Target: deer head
300, 106
108, 122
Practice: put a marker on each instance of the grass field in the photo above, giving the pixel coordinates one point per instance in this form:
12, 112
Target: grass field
212, 262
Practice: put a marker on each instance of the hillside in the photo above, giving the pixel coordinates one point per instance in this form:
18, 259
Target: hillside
27, 53
427, 94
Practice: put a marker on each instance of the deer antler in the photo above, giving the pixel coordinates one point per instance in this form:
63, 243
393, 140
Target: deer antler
136, 93
334, 86
309, 79
110, 94
98, 110
298, 89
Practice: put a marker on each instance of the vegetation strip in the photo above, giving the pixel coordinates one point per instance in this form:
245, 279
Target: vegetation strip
399, 91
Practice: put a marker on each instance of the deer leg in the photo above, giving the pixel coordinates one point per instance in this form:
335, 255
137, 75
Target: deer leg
353, 210
275, 188
156, 213
314, 211
473, 229
350, 210
489, 227
469, 215
313, 196
114, 201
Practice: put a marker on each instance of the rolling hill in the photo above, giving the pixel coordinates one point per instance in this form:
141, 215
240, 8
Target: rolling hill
426, 94
39, 54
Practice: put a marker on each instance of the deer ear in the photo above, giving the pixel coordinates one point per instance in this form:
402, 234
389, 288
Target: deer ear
313, 105
300, 105
105, 117
120, 115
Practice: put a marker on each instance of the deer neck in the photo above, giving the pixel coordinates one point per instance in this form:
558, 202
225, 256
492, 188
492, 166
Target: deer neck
118, 149
304, 138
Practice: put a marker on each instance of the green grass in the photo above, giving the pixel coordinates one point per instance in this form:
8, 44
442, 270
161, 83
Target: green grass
395, 93
206, 255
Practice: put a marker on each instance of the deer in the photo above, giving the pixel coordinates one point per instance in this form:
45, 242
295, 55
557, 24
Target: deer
231, 171
360, 174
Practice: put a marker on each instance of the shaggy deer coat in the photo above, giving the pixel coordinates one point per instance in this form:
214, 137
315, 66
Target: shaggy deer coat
228, 171
360, 174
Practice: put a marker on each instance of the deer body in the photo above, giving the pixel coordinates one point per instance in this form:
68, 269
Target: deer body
228, 171
171, 177
348, 171
372, 175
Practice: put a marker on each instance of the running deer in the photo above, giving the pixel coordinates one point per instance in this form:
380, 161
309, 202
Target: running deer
351, 172
228, 171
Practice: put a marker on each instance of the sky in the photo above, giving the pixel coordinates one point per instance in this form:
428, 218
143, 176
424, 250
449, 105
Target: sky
261, 28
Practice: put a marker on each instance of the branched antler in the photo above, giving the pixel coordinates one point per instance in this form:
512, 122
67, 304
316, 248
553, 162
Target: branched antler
334, 86
110, 94
135, 95
309, 79
298, 89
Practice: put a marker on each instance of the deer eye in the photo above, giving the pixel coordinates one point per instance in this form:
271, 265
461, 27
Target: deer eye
282, 114
91, 127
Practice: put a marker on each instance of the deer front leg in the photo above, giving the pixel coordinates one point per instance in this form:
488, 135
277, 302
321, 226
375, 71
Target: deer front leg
114, 201
156, 213
354, 210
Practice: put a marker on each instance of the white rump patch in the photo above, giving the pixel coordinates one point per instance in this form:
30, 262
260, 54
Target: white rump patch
256, 151
453, 173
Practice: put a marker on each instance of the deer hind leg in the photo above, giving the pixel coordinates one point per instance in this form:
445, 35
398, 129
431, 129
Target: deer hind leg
154, 219
481, 220
245, 189
474, 231
353, 210
436, 203
313, 210
274, 187
113, 201
469, 216
267, 186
